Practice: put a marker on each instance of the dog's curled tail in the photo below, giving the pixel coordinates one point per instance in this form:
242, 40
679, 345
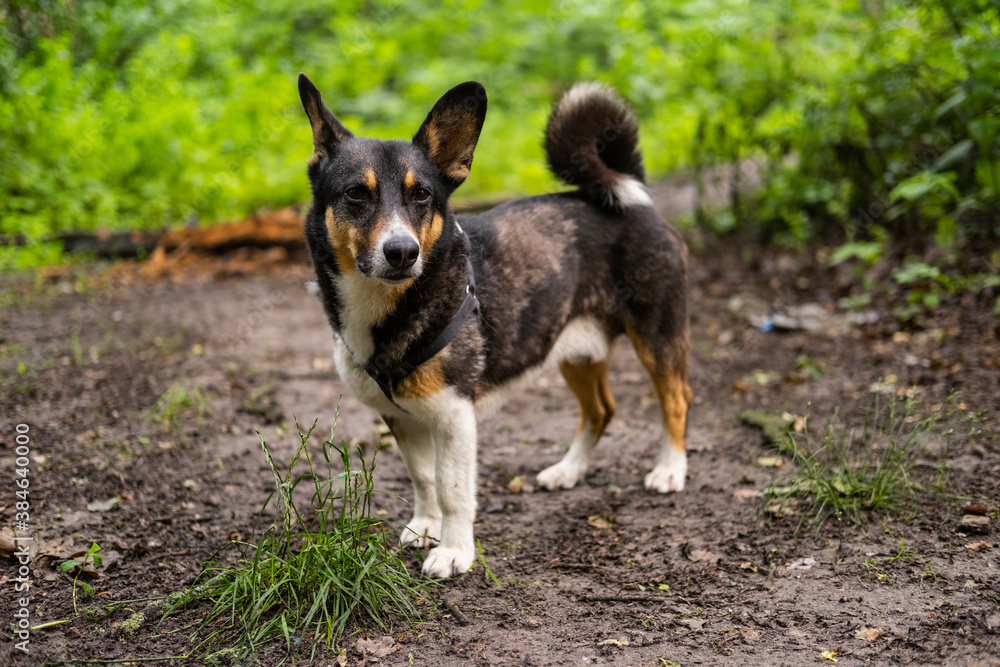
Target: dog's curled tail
592, 141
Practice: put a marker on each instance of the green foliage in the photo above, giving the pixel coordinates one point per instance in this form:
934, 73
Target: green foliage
77, 567
848, 474
857, 117
314, 571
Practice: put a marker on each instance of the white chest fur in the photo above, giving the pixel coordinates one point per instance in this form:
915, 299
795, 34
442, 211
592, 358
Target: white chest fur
366, 303
357, 380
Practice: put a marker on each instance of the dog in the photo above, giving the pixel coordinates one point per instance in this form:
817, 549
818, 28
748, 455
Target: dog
438, 318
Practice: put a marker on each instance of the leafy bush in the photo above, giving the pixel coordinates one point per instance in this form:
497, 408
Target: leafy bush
904, 138
123, 114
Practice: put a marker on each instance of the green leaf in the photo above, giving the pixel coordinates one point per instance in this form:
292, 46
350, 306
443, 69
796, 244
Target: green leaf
950, 104
917, 186
867, 251
953, 154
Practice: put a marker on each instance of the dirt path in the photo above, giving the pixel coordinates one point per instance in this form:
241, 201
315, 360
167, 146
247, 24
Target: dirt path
606, 573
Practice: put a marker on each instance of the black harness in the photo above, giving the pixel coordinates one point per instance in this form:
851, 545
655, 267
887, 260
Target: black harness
387, 377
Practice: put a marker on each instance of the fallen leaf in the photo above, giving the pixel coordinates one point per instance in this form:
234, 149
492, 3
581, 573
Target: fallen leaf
770, 461
7, 543
869, 634
746, 494
694, 624
829, 655
111, 560
621, 641
978, 546
376, 649
598, 522
57, 548
664, 587
516, 484
104, 505
701, 556
802, 564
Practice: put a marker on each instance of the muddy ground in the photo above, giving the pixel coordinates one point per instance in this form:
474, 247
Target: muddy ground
606, 573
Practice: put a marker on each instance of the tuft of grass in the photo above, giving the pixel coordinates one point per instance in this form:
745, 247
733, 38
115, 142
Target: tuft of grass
850, 474
174, 403
875, 568
315, 572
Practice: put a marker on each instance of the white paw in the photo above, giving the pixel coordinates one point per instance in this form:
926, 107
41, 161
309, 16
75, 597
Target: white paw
421, 532
667, 477
448, 561
563, 475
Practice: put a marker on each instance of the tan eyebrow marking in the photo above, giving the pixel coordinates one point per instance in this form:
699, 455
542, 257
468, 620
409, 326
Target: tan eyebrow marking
370, 181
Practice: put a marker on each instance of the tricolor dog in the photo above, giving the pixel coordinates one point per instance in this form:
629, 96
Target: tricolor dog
438, 318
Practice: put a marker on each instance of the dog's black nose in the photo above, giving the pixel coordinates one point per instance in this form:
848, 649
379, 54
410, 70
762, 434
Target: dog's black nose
401, 251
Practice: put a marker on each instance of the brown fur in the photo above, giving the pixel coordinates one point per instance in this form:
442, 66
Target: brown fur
669, 374
343, 238
429, 234
589, 383
425, 381
451, 140
370, 181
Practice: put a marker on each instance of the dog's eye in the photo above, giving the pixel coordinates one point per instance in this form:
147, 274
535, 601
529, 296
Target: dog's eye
356, 194
422, 195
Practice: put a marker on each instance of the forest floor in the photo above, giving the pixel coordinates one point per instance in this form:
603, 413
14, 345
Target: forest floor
606, 573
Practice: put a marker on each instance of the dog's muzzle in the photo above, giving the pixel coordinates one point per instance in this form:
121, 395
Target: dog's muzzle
401, 252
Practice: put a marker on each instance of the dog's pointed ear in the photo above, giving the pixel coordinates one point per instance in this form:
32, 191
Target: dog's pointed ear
327, 130
451, 131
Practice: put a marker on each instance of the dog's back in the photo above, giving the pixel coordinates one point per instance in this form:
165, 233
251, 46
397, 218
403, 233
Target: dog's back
601, 253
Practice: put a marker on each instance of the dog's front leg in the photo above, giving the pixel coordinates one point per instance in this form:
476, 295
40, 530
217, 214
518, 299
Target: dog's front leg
455, 476
417, 448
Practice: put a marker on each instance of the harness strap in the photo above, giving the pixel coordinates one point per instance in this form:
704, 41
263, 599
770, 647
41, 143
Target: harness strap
386, 378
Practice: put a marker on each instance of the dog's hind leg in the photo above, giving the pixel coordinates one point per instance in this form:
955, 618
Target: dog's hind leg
417, 448
589, 382
668, 366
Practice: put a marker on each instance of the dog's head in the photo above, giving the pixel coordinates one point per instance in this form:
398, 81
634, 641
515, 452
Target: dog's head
385, 202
